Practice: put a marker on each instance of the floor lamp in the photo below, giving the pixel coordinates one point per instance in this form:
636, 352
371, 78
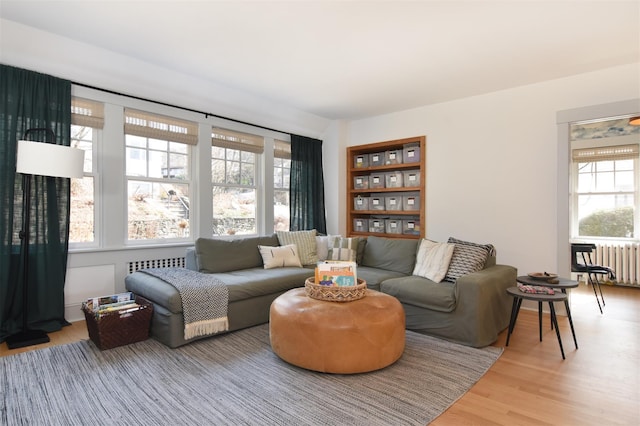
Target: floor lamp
42, 159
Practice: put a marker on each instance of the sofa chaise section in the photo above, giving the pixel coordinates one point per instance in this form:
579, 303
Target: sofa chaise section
251, 287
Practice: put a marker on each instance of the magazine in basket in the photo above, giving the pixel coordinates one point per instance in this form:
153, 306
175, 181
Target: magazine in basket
336, 273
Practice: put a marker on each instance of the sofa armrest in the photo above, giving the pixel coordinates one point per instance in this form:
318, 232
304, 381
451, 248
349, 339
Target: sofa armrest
482, 299
502, 276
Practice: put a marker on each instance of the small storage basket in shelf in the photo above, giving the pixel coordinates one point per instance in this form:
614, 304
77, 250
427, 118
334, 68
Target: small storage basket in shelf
112, 329
335, 294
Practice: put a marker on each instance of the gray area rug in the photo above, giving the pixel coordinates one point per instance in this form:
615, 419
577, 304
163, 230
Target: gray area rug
231, 379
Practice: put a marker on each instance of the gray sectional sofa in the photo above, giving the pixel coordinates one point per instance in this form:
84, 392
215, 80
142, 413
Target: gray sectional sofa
472, 311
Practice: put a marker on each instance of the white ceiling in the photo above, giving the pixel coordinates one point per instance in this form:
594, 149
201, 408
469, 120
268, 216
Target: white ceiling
352, 59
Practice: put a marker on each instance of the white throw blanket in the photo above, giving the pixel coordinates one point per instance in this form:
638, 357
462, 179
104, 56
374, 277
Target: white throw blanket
205, 300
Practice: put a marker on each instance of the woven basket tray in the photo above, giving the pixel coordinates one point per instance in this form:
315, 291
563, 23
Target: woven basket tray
335, 294
113, 329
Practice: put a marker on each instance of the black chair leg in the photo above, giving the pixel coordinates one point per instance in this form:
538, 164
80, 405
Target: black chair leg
595, 283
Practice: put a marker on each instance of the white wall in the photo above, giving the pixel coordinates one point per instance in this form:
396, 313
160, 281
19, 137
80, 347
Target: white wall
492, 167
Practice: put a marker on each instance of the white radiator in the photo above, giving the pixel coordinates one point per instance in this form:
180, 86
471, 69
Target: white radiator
623, 259
172, 262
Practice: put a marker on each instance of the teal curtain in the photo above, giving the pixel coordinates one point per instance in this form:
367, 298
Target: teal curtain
306, 185
31, 100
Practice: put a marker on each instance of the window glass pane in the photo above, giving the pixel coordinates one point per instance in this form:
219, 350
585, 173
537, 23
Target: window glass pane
247, 174
137, 141
178, 166
604, 182
624, 165
82, 215
281, 210
606, 215
233, 172
178, 147
234, 211
218, 171
624, 181
217, 152
157, 164
157, 144
604, 166
157, 210
233, 154
136, 162
248, 157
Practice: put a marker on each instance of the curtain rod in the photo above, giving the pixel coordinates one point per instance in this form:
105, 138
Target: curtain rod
206, 114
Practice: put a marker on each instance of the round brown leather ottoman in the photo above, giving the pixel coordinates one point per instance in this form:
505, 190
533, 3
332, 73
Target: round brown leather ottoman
337, 337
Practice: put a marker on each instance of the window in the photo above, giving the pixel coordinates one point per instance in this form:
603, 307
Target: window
87, 118
605, 184
281, 175
158, 173
234, 164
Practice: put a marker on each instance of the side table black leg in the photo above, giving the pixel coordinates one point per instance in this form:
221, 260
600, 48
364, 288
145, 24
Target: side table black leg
514, 315
566, 305
555, 323
540, 320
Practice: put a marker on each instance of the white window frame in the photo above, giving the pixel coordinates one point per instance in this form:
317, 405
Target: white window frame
282, 150
90, 113
574, 194
247, 143
168, 129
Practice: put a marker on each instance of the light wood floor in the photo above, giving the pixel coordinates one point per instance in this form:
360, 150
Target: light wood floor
598, 384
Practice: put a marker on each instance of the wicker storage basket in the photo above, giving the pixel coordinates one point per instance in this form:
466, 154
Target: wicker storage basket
112, 329
335, 294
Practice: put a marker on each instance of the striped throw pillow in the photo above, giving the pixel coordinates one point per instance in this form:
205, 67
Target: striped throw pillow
305, 242
467, 258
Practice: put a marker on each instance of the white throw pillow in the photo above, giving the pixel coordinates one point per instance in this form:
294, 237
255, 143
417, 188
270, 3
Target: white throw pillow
279, 257
432, 260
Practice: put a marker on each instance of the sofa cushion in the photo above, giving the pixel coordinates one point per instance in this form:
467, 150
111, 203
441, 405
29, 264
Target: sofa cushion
421, 292
392, 254
467, 258
374, 276
256, 282
221, 255
306, 242
432, 260
279, 256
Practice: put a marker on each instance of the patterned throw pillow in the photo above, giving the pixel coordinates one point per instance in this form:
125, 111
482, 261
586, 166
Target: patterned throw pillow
305, 241
344, 249
279, 257
467, 258
433, 260
323, 243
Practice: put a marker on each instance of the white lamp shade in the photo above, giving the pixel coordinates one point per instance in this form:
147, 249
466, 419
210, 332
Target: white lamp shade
47, 159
